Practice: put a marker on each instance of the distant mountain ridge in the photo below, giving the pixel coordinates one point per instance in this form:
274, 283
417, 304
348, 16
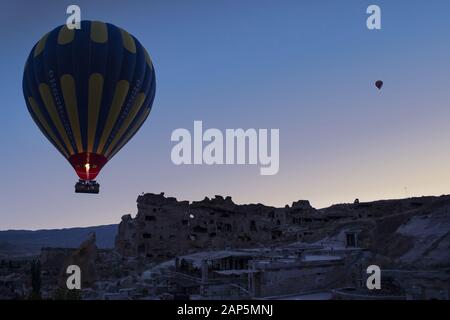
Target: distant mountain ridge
16, 243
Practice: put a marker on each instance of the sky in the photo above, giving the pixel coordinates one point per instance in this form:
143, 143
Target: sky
305, 67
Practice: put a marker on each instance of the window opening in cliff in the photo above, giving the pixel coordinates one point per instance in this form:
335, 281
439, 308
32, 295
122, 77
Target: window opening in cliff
276, 234
351, 239
200, 229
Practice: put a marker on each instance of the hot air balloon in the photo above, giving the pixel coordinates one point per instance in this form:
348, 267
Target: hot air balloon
89, 91
379, 84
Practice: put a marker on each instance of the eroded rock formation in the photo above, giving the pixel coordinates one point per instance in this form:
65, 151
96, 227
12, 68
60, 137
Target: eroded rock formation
164, 227
83, 257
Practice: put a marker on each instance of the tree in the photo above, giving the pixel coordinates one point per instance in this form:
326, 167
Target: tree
35, 280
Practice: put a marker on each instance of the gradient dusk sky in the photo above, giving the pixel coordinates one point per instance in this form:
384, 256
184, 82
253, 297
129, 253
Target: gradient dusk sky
305, 67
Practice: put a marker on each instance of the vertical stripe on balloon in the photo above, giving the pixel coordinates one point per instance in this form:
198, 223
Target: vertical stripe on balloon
70, 101
130, 134
148, 59
51, 109
128, 120
118, 100
94, 102
45, 125
128, 41
40, 45
65, 35
99, 32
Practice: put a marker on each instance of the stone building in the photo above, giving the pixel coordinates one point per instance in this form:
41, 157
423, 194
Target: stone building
165, 227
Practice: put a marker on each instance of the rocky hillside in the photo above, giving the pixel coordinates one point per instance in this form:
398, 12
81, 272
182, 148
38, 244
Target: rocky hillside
22, 243
413, 231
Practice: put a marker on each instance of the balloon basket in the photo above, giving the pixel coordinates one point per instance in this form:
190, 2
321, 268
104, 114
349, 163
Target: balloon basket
86, 186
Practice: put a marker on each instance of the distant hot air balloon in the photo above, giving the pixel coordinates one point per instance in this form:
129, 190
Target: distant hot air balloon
89, 90
379, 84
